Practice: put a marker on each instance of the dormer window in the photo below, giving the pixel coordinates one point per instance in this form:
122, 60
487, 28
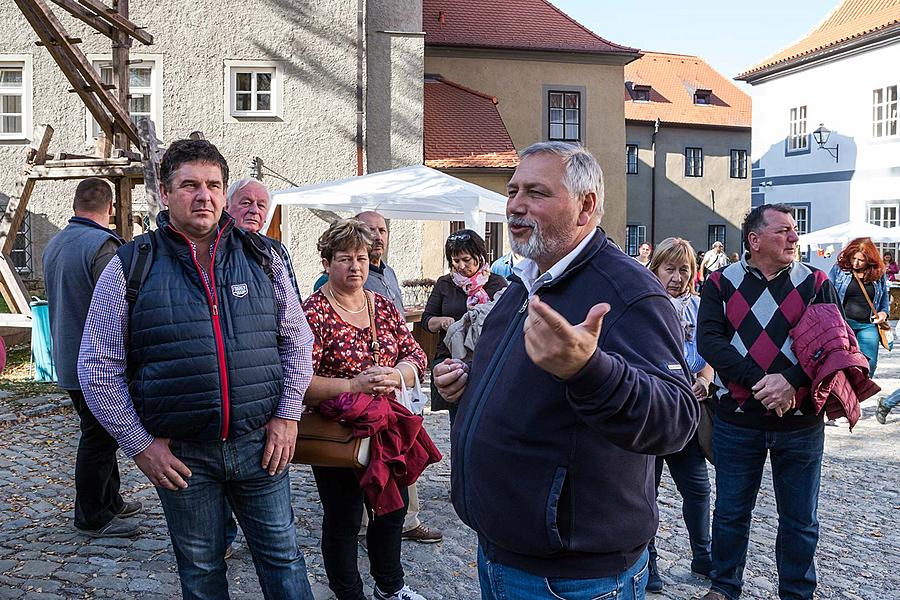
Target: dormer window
703, 97
641, 93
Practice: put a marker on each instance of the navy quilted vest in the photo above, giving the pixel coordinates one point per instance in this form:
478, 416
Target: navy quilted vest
190, 380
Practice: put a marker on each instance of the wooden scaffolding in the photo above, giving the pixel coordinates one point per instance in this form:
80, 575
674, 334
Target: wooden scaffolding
108, 104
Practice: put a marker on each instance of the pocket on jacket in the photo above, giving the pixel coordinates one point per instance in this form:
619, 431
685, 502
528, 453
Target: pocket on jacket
552, 512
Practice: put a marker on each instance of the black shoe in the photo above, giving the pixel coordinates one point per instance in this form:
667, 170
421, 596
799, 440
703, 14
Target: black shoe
129, 509
654, 583
115, 528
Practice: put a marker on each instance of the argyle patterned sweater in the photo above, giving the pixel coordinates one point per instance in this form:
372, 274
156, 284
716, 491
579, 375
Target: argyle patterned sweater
743, 329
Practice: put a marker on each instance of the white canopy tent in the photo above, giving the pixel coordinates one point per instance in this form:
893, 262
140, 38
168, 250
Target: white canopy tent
849, 230
417, 192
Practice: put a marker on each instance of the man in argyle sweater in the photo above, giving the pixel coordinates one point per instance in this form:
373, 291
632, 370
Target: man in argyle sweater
763, 403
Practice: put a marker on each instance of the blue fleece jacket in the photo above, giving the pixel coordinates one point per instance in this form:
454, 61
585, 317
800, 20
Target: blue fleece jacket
557, 477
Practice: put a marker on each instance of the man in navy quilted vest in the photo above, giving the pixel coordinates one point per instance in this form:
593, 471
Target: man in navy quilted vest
200, 377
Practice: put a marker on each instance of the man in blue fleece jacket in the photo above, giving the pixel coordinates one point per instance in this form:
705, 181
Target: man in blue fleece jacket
553, 446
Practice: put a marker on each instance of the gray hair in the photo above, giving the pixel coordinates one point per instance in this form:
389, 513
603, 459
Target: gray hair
240, 184
583, 173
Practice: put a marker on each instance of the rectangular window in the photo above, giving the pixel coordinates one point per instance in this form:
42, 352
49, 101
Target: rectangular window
144, 90
716, 233
641, 93
15, 97
703, 97
635, 235
565, 116
801, 216
739, 164
886, 216
884, 112
693, 162
20, 256
797, 136
254, 89
493, 241
631, 159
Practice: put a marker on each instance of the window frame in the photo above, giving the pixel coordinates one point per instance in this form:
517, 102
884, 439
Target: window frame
881, 205
628, 159
565, 123
640, 91
640, 237
705, 96
742, 161
691, 161
712, 234
276, 91
25, 92
155, 62
797, 141
884, 104
25, 253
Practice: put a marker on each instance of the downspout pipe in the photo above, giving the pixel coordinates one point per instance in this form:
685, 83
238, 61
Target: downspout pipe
360, 56
653, 183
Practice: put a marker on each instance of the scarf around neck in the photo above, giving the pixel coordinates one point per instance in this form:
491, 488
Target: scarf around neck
473, 286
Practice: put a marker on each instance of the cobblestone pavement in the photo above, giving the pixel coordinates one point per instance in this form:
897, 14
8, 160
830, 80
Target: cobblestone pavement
42, 556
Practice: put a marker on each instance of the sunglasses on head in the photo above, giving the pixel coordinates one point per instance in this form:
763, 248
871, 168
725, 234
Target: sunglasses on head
459, 237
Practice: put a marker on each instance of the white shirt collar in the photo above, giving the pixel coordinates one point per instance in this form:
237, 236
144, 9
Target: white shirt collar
527, 270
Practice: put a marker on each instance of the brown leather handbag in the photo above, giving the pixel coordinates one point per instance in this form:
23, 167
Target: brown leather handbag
322, 442
885, 333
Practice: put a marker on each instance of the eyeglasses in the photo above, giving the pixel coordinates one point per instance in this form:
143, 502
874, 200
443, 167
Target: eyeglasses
459, 237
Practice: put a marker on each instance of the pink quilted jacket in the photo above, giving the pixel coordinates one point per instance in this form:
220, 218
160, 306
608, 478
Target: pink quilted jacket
828, 352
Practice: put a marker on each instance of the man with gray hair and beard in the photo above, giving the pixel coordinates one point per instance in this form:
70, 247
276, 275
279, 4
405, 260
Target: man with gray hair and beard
577, 381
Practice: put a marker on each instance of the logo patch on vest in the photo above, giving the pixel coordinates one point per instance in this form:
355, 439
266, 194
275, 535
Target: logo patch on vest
239, 290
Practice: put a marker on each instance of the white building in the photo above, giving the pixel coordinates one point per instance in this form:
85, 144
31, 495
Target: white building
843, 75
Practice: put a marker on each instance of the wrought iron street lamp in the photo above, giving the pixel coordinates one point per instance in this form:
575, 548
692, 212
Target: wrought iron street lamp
821, 136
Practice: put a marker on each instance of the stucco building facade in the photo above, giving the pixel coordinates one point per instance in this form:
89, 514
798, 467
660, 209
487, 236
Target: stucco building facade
843, 76
319, 90
687, 153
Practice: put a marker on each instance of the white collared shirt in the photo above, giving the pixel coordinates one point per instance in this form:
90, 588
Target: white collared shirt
527, 270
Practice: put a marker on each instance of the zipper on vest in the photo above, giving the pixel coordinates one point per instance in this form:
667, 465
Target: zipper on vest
213, 299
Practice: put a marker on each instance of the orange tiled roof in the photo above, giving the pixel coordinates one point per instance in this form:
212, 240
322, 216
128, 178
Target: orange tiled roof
850, 20
510, 24
673, 79
463, 128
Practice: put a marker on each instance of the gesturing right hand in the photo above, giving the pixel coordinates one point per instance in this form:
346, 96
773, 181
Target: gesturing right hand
451, 376
161, 467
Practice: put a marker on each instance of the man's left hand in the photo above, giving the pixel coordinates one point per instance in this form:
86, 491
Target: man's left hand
775, 393
281, 437
557, 346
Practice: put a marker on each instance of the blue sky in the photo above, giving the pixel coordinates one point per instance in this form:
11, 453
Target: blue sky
731, 35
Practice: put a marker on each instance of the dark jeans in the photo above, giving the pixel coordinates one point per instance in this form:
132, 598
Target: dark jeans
97, 498
342, 504
196, 517
796, 458
688, 469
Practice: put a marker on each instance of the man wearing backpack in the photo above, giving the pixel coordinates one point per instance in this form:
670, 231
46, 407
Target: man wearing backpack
195, 357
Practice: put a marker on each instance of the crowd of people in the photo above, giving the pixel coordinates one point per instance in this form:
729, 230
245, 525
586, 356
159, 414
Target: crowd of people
572, 373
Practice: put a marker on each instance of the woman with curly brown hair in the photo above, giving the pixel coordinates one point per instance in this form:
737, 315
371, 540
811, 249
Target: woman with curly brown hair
858, 274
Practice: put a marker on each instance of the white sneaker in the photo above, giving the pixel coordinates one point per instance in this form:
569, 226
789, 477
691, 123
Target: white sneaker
403, 594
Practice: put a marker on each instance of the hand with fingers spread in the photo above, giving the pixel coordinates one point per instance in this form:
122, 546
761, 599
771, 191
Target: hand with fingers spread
775, 393
281, 437
375, 381
161, 467
557, 346
450, 377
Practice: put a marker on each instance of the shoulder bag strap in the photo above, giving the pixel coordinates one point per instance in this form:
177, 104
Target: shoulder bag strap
376, 347
865, 294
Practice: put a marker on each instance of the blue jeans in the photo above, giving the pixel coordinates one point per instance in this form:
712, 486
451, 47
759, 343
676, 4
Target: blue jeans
869, 341
892, 400
500, 582
796, 458
688, 469
196, 517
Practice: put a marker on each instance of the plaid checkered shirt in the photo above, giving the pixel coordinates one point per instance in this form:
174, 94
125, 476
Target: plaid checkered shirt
102, 359
744, 327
